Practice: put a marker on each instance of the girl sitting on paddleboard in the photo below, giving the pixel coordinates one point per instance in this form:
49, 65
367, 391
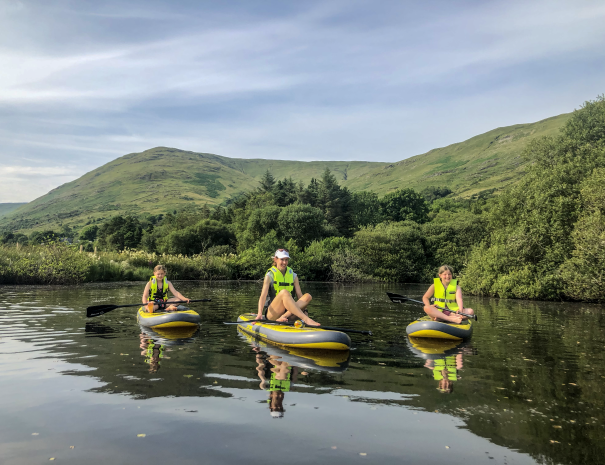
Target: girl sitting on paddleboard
155, 296
276, 301
447, 295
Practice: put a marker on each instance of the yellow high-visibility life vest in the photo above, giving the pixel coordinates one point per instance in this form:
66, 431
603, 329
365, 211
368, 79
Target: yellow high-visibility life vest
154, 293
280, 281
446, 298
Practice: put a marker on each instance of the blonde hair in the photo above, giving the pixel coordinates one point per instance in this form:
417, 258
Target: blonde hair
445, 268
160, 268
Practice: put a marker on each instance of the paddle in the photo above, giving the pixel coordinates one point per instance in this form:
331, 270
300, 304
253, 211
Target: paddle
399, 299
98, 310
287, 323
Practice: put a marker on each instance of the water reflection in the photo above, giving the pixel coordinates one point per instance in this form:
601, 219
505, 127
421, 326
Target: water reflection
443, 358
156, 345
279, 369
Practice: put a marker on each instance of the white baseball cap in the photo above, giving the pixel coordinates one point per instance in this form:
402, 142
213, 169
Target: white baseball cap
281, 253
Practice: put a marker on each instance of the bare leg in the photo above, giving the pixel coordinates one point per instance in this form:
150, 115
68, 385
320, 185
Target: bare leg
172, 307
301, 303
169, 308
435, 314
284, 302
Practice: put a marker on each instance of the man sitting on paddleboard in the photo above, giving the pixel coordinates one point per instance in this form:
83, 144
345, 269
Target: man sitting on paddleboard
447, 296
276, 301
155, 296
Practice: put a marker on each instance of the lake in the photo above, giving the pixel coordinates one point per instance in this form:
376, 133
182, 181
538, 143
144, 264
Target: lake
527, 388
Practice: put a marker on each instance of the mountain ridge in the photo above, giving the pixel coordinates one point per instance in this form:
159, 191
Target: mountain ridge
164, 179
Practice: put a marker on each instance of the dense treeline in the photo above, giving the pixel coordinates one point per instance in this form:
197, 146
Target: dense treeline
546, 235
543, 238
332, 234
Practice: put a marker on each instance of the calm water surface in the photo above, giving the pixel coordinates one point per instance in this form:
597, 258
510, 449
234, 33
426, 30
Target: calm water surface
526, 389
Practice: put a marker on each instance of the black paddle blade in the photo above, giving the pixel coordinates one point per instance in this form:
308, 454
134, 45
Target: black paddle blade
396, 298
98, 310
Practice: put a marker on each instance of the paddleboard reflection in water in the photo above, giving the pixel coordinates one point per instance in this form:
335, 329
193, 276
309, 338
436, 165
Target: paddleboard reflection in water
155, 344
279, 369
443, 358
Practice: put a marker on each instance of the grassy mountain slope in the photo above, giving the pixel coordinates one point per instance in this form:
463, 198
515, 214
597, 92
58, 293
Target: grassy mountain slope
6, 208
488, 161
164, 179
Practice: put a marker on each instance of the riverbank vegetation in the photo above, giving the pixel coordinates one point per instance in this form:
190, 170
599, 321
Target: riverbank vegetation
543, 238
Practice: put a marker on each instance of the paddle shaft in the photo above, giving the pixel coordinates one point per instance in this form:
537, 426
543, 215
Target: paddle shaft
98, 310
287, 323
399, 299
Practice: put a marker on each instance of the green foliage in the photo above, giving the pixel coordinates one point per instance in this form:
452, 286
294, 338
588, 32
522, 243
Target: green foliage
260, 222
433, 193
89, 233
393, 252
195, 239
335, 203
404, 205
537, 225
120, 233
14, 238
583, 273
316, 263
366, 209
285, 192
267, 182
300, 223
43, 237
43, 264
451, 242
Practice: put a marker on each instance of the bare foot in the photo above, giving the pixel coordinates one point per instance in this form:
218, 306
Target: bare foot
309, 322
282, 319
171, 308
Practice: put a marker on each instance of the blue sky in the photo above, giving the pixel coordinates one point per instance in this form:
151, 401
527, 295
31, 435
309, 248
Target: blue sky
84, 82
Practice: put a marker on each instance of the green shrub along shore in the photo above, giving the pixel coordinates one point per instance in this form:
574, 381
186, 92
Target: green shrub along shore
542, 238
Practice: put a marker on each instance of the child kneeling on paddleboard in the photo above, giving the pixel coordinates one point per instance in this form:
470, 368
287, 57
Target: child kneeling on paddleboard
155, 296
447, 296
276, 301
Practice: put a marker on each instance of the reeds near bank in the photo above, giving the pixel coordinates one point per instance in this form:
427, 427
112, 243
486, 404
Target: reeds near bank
64, 264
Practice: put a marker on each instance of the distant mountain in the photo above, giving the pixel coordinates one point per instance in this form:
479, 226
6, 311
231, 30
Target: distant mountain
165, 179
6, 208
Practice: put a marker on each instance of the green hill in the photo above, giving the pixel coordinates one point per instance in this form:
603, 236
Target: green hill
489, 161
164, 179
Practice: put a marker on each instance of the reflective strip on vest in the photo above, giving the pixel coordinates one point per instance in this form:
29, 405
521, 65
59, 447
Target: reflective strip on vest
153, 290
447, 297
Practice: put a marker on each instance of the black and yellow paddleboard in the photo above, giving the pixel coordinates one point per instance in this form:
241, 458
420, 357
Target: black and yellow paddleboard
307, 337
179, 318
426, 327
